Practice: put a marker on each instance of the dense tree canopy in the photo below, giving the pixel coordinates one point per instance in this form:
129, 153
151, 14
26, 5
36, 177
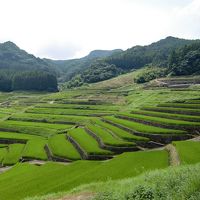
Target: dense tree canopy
185, 61
29, 80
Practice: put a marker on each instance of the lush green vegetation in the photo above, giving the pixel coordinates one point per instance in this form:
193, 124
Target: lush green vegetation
107, 138
119, 132
34, 128
87, 142
142, 127
61, 147
159, 120
180, 105
186, 60
188, 151
174, 110
168, 115
46, 118
22, 71
34, 149
57, 111
13, 154
150, 73
38, 179
3, 152
18, 136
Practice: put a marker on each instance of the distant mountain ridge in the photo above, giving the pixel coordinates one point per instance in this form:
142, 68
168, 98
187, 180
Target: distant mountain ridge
155, 54
14, 58
98, 65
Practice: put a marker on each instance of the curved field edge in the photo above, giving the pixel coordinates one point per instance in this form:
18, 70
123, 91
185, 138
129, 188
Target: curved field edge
172, 183
53, 177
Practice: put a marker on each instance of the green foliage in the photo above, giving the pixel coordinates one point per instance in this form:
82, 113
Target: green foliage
87, 142
40, 81
107, 138
188, 151
98, 71
142, 127
34, 149
53, 177
61, 147
120, 132
172, 183
14, 154
22, 71
185, 61
150, 73
159, 120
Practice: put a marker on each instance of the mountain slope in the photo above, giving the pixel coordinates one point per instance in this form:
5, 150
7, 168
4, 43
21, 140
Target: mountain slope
69, 68
155, 54
14, 59
22, 71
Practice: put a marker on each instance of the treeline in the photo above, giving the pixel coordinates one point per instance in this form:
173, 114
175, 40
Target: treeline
28, 80
170, 56
185, 61
98, 71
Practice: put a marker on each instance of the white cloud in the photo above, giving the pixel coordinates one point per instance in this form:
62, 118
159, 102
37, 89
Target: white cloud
71, 28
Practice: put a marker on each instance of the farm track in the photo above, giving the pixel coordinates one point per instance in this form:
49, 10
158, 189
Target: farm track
173, 155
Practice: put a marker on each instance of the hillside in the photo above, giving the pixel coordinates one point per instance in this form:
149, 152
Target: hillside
22, 71
54, 143
156, 54
12, 58
69, 68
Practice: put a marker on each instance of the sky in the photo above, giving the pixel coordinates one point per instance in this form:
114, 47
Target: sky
65, 29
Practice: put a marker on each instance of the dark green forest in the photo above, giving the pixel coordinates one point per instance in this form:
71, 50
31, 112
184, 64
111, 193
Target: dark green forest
30, 80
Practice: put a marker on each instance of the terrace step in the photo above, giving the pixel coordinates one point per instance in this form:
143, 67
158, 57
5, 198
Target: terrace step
164, 138
108, 147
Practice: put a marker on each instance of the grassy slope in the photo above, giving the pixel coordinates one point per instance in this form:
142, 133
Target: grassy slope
61, 147
189, 151
172, 122
49, 118
168, 115
107, 137
142, 127
53, 177
172, 184
87, 142
13, 155
119, 132
35, 149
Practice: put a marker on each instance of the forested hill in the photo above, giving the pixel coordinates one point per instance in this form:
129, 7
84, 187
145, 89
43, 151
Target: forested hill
156, 54
22, 71
67, 69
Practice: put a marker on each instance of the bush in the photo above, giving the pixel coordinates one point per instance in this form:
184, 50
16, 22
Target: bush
150, 73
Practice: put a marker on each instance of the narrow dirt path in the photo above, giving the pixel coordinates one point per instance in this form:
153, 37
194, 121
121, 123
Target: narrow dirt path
3, 169
197, 139
173, 155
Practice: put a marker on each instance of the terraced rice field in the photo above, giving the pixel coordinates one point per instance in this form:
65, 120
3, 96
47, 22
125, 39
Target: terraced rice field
107, 138
13, 154
120, 132
35, 149
61, 147
138, 127
69, 127
87, 142
189, 151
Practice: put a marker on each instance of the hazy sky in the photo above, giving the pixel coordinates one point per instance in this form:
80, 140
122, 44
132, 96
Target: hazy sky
62, 29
